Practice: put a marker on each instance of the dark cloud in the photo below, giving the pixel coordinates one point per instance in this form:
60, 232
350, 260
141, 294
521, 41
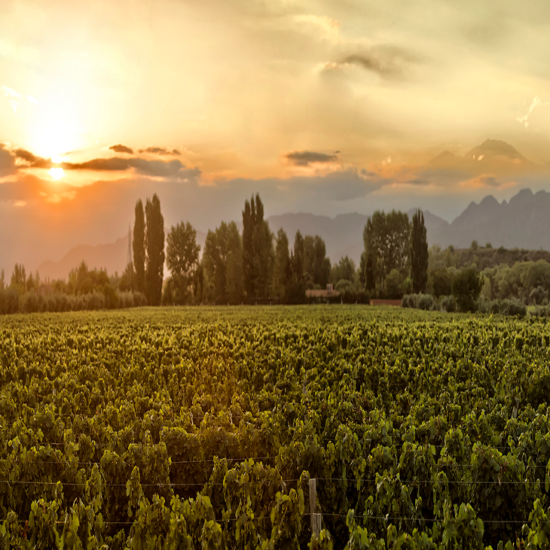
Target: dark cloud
155, 168
121, 149
25, 155
386, 61
305, 158
7, 162
160, 151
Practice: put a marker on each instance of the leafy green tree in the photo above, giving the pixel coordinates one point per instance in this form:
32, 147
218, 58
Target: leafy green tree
223, 263
419, 253
316, 265
234, 284
128, 278
282, 264
440, 281
19, 276
182, 259
258, 254
154, 246
296, 286
467, 286
343, 270
386, 246
394, 284
138, 246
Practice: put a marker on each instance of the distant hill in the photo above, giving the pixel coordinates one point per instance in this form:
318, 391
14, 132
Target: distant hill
523, 222
112, 257
343, 235
493, 156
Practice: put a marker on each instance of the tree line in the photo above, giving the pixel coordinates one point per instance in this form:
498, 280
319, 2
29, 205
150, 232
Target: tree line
257, 266
249, 266
254, 265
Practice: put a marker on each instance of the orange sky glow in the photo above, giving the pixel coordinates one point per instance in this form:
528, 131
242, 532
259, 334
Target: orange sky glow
320, 105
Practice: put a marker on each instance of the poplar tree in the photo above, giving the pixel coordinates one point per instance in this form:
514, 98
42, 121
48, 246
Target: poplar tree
138, 246
154, 246
419, 253
282, 263
258, 256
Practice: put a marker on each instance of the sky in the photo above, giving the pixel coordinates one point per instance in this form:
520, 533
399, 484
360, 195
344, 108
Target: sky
321, 106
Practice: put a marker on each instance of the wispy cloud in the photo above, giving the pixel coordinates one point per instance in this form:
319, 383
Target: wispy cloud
388, 61
160, 151
524, 119
487, 181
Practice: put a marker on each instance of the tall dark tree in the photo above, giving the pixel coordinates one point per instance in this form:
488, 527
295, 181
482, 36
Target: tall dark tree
419, 253
182, 259
296, 286
316, 265
154, 246
138, 246
222, 261
258, 255
386, 241
282, 263
19, 276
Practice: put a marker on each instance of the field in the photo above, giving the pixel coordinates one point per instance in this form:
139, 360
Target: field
202, 428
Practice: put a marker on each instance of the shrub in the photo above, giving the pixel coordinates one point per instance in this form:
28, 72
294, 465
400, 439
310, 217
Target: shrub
448, 303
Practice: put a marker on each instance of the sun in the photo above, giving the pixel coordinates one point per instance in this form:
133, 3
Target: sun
57, 173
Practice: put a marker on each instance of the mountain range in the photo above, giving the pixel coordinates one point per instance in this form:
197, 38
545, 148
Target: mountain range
522, 222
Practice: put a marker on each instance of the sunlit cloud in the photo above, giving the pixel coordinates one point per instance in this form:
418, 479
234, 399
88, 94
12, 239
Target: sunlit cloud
487, 181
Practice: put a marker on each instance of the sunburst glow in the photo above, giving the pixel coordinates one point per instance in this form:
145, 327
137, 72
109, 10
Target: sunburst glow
57, 173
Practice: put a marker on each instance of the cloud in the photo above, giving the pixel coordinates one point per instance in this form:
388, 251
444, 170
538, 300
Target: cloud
159, 151
153, 168
305, 158
486, 181
386, 61
525, 118
7, 162
121, 149
27, 156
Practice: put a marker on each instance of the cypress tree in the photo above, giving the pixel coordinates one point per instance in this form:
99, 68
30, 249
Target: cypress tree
419, 253
249, 213
154, 245
138, 246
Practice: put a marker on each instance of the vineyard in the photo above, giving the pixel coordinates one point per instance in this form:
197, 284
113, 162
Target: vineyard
253, 427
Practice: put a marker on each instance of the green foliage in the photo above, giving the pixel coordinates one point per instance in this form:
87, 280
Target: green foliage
182, 259
316, 265
467, 286
343, 270
201, 427
296, 281
419, 253
282, 264
154, 248
138, 246
258, 255
386, 240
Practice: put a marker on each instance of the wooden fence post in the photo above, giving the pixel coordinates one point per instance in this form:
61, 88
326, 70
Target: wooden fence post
316, 518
